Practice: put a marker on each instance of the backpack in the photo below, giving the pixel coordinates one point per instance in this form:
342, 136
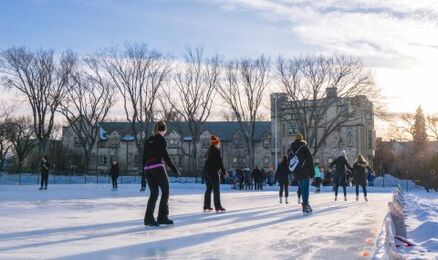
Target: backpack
294, 162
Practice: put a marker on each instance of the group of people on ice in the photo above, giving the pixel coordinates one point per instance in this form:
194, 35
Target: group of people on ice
246, 179
298, 164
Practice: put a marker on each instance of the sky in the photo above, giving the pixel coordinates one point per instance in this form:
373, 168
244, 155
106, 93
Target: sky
398, 40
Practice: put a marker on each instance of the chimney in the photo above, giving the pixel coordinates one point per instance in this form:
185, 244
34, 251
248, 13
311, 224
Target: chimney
331, 92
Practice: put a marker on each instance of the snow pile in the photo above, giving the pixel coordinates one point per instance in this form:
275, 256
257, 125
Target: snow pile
391, 181
422, 224
393, 225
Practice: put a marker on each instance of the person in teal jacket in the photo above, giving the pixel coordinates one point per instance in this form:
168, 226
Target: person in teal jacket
318, 178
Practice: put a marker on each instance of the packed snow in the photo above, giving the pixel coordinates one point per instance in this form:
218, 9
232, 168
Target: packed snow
91, 222
421, 210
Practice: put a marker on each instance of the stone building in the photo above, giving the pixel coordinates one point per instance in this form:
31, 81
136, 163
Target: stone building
355, 136
116, 142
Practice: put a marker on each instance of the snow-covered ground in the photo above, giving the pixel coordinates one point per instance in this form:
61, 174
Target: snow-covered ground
91, 222
422, 224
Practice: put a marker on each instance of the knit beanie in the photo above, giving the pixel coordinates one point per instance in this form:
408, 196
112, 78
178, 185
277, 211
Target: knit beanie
214, 140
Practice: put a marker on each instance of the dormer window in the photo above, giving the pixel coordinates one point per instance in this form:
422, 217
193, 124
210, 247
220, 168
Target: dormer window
114, 142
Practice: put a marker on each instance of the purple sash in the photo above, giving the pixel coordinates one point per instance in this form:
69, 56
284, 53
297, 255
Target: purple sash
153, 166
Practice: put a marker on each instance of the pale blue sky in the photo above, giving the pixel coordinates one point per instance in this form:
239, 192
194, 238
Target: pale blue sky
397, 39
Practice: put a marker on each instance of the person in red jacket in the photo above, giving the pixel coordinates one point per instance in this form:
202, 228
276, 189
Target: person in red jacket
212, 178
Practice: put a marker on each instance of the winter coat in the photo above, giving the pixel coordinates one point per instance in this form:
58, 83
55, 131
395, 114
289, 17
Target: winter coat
360, 173
214, 160
282, 173
257, 175
308, 168
44, 167
155, 152
317, 172
114, 171
341, 162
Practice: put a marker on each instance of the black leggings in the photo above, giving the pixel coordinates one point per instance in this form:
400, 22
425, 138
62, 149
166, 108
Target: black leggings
157, 179
364, 188
44, 179
284, 185
212, 183
114, 179
340, 182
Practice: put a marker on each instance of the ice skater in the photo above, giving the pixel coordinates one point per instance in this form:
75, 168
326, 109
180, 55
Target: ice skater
318, 178
302, 167
114, 172
340, 176
44, 169
213, 165
155, 152
282, 177
360, 174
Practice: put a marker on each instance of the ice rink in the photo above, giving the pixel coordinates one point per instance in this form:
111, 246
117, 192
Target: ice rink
92, 222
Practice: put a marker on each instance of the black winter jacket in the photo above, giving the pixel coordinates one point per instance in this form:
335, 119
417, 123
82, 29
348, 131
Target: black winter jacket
44, 167
155, 151
308, 169
214, 160
114, 171
341, 162
360, 173
282, 173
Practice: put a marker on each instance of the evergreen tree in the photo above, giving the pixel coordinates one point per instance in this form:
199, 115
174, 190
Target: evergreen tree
419, 130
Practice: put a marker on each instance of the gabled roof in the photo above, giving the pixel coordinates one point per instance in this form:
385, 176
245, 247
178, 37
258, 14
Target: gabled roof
224, 130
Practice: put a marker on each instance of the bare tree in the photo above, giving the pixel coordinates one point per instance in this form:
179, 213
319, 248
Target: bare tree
406, 124
138, 73
243, 88
43, 79
192, 94
315, 84
5, 145
22, 138
432, 126
87, 104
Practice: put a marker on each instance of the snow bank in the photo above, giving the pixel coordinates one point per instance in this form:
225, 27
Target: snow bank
393, 224
422, 224
391, 181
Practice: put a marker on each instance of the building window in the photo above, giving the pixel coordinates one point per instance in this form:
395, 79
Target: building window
266, 142
350, 136
238, 143
77, 142
205, 142
173, 143
370, 140
103, 160
114, 142
266, 162
292, 129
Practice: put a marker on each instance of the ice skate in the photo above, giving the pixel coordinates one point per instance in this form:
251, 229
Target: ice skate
165, 221
357, 198
336, 197
281, 200
287, 202
208, 209
45, 188
220, 210
151, 223
345, 198
366, 199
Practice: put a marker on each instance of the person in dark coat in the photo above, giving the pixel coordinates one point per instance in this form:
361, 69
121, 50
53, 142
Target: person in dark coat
44, 169
114, 172
155, 152
213, 165
282, 177
340, 175
304, 171
360, 174
258, 178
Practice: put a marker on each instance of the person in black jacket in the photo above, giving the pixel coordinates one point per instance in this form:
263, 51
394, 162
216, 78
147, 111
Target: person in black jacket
114, 172
360, 175
282, 177
340, 175
258, 178
304, 170
44, 168
212, 179
155, 152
